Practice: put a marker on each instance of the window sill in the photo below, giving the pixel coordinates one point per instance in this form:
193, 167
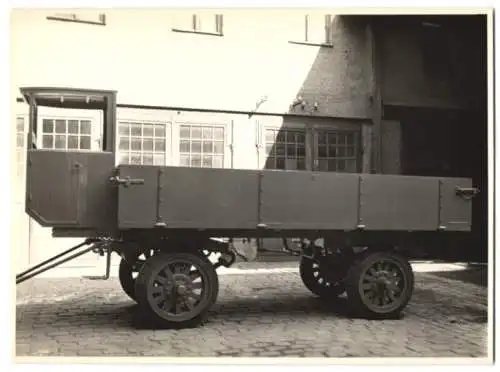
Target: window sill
323, 45
197, 32
60, 19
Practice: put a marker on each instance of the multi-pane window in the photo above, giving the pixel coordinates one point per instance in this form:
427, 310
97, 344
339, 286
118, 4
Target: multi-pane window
66, 134
20, 158
202, 23
317, 29
285, 149
336, 151
142, 143
201, 146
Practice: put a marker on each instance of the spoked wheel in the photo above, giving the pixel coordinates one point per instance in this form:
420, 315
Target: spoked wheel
381, 284
177, 289
314, 278
128, 271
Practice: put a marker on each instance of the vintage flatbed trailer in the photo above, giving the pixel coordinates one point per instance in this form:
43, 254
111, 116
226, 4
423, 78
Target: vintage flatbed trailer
164, 221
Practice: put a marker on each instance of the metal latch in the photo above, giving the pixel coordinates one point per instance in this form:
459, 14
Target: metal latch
126, 181
466, 192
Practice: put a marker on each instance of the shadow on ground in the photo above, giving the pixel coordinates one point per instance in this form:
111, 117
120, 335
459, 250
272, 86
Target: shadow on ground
474, 274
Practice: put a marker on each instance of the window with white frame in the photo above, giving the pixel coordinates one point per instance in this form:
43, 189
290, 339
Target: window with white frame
67, 134
336, 151
142, 142
201, 145
203, 23
317, 29
285, 148
20, 166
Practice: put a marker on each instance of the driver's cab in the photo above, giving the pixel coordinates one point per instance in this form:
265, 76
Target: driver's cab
70, 156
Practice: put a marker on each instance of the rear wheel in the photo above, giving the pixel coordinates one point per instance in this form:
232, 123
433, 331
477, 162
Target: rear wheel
176, 290
316, 279
380, 284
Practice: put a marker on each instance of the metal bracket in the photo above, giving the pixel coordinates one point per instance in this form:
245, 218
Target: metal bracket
126, 181
466, 192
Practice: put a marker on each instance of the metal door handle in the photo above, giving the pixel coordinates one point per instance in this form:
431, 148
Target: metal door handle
126, 181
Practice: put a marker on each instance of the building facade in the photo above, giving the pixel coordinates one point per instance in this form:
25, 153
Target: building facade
249, 90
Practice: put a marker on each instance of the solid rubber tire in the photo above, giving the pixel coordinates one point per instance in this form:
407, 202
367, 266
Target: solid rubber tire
354, 275
311, 283
157, 261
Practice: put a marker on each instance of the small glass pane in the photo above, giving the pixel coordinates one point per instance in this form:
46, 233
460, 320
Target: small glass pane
291, 151
20, 140
301, 164
341, 138
147, 159
322, 151
72, 142
207, 133
280, 149
290, 137
60, 126
219, 133
185, 132
218, 147
73, 126
196, 133
159, 131
350, 166
85, 142
124, 130
184, 160
270, 135
218, 162
291, 164
148, 130
207, 147
196, 160
184, 146
341, 165
269, 149
280, 163
159, 159
322, 138
196, 147
341, 152
332, 151
135, 144
60, 142
333, 138
147, 144
48, 126
323, 165
47, 142
135, 129
123, 158
124, 144
270, 163
85, 127
350, 139
300, 138
159, 144
20, 125
350, 151
135, 158
207, 162
281, 136
301, 151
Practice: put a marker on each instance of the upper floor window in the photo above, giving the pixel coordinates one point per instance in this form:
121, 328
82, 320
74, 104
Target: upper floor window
285, 149
89, 17
201, 146
142, 142
317, 30
209, 24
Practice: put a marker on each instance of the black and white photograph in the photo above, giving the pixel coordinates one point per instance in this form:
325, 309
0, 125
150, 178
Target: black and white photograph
251, 185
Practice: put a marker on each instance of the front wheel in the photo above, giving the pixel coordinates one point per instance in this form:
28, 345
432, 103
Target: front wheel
176, 290
380, 284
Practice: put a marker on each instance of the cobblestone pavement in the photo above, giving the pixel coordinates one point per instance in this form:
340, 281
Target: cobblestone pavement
256, 315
